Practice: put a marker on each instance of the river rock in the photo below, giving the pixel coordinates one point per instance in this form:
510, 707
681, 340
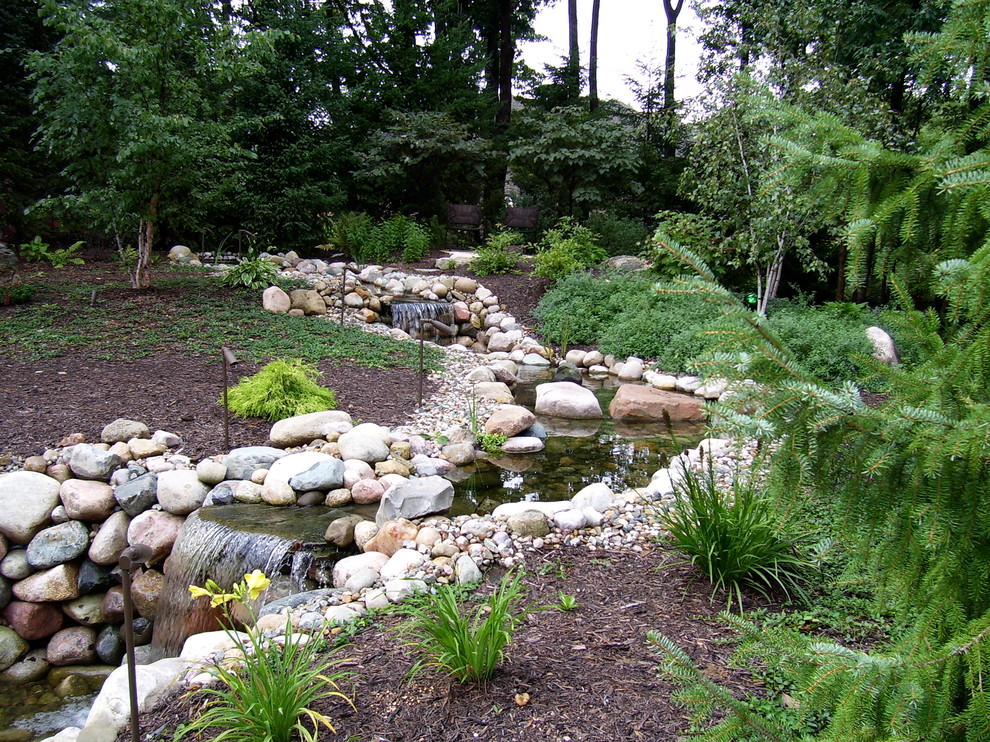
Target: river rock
15, 565
87, 500
495, 391
571, 519
12, 647
667, 382
211, 472
338, 498
94, 577
278, 493
34, 621
509, 420
36, 464
156, 529
367, 491
222, 493
146, 590
598, 496
567, 400
113, 605
636, 402
180, 491
156, 683
529, 523
340, 532
275, 300
458, 454
884, 349
364, 532
58, 545
509, 509
348, 566
688, 384
363, 446
308, 300
52, 585
522, 444
302, 429
111, 539
6, 592
248, 492
401, 563
393, 466
142, 448
425, 466
26, 501
32, 667
415, 498
466, 571
75, 645
392, 536
89, 462
567, 372
480, 374
122, 430
241, 463
86, 609
110, 646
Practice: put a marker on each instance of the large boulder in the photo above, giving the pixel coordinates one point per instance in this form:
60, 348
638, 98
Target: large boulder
564, 399
275, 300
302, 429
509, 420
495, 391
884, 349
308, 300
322, 475
26, 501
637, 402
348, 566
415, 498
156, 683
363, 445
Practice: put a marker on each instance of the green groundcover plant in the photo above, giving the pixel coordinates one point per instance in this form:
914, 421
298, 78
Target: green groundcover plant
467, 645
269, 693
283, 388
253, 272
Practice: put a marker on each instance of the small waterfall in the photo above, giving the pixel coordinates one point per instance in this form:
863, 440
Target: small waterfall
208, 549
407, 316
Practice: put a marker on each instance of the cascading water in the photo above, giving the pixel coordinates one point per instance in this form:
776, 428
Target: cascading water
408, 316
209, 548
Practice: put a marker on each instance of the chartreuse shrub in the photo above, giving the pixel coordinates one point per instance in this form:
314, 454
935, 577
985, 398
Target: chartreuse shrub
467, 645
268, 694
911, 480
283, 388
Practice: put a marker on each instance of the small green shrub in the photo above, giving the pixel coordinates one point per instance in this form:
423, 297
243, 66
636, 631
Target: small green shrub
494, 256
270, 696
16, 293
735, 539
491, 443
618, 236
466, 647
567, 248
38, 250
252, 272
566, 602
281, 389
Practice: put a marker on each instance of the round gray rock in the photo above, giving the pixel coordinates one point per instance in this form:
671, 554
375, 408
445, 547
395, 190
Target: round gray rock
26, 500
242, 462
90, 462
12, 647
58, 545
180, 491
122, 430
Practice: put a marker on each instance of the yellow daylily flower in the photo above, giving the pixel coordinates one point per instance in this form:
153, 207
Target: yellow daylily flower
222, 599
199, 592
256, 583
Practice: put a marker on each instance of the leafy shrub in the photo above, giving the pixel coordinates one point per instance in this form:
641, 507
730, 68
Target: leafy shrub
618, 236
282, 389
468, 648
16, 293
252, 272
270, 696
350, 234
37, 250
567, 248
494, 257
735, 541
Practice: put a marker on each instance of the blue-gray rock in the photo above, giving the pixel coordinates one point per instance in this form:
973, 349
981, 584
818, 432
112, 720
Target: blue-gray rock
222, 494
58, 545
241, 463
567, 372
15, 565
95, 577
32, 667
110, 645
415, 498
137, 495
536, 430
323, 476
90, 462
143, 629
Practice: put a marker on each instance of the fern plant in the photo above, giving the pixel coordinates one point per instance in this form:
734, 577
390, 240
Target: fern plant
282, 389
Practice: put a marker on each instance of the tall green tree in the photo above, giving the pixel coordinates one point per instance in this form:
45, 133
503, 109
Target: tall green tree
131, 101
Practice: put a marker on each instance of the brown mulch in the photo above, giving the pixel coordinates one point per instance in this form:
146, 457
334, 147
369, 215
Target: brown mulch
589, 673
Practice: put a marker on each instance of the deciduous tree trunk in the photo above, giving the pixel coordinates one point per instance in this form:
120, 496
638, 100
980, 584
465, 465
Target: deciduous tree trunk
141, 278
573, 53
671, 11
593, 57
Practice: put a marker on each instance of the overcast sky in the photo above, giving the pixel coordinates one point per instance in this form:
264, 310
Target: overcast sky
629, 31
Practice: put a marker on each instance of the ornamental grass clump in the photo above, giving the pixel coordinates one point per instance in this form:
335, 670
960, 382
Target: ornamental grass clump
467, 645
735, 538
283, 388
269, 694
